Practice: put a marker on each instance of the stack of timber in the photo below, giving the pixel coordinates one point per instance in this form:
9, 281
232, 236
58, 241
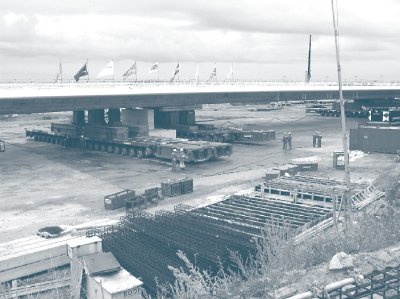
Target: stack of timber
141, 147
307, 187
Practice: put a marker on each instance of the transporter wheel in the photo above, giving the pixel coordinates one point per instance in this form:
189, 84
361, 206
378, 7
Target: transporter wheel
148, 152
139, 153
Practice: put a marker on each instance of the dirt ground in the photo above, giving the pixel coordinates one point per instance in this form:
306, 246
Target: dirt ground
44, 184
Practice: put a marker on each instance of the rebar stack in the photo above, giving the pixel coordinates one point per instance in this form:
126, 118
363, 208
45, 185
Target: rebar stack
146, 244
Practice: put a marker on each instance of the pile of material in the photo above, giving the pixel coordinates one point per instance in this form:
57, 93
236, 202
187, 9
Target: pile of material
53, 231
206, 234
175, 187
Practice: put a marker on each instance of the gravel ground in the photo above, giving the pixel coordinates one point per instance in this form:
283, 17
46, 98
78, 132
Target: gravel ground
45, 184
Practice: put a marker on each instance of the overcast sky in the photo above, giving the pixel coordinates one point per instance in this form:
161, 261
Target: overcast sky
263, 39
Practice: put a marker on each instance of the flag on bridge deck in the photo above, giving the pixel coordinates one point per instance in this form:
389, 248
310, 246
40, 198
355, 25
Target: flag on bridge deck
176, 72
229, 76
154, 68
131, 71
59, 73
107, 71
213, 73
82, 72
196, 76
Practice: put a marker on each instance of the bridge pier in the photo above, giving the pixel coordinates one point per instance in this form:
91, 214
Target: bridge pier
78, 117
168, 119
114, 117
138, 117
96, 117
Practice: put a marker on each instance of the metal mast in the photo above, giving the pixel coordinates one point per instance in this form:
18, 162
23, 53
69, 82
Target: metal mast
347, 196
308, 73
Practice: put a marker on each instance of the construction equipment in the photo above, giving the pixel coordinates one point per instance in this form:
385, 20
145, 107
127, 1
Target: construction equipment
224, 134
141, 147
2, 146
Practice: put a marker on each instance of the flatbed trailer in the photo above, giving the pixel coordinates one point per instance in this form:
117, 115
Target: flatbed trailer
140, 147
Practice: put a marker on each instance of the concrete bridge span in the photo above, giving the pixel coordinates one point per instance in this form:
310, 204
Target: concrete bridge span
37, 98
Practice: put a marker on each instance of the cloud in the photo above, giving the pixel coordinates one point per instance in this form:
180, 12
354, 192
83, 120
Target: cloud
273, 32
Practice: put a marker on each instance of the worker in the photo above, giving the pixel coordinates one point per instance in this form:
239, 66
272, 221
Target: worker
319, 139
289, 140
285, 140
174, 158
182, 157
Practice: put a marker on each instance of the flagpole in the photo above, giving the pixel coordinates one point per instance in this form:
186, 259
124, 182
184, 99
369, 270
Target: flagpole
87, 63
136, 70
61, 72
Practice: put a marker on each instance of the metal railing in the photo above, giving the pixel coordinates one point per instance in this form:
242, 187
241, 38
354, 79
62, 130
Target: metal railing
183, 83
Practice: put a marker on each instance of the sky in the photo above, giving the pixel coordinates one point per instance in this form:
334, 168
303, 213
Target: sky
260, 39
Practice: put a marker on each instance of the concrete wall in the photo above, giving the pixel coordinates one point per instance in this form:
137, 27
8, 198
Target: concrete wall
138, 117
371, 139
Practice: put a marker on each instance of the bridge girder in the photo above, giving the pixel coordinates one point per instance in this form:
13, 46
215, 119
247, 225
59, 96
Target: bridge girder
39, 104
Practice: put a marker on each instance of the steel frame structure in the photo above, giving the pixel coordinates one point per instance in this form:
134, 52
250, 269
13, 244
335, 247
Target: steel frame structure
383, 284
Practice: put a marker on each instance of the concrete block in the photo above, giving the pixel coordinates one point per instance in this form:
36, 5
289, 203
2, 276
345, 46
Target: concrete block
138, 117
84, 246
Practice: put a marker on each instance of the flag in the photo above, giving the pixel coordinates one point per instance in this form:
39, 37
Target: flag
196, 76
230, 74
131, 71
59, 73
213, 73
154, 68
82, 72
107, 71
176, 72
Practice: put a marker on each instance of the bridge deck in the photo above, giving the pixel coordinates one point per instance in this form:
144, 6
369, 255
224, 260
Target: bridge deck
35, 98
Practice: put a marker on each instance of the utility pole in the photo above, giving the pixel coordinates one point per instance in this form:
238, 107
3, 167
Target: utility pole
347, 196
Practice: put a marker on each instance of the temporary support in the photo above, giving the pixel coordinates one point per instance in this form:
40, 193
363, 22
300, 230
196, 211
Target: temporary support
114, 117
138, 118
78, 117
167, 119
96, 117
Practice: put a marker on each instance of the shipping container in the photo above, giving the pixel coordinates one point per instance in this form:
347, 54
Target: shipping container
375, 139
